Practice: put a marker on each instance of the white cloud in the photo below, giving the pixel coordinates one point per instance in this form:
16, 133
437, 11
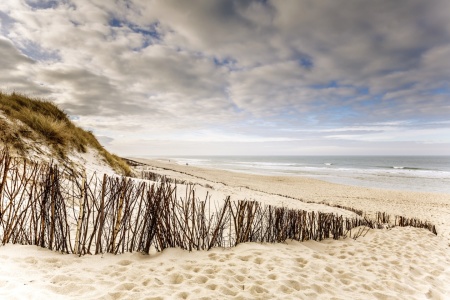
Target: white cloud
232, 67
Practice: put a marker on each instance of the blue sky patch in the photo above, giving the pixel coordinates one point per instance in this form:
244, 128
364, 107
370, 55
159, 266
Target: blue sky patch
37, 53
306, 62
42, 4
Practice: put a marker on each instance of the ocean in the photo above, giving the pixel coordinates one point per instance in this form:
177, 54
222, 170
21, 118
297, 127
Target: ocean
412, 173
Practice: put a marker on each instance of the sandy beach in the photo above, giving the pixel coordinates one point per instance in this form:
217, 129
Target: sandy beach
433, 207
394, 263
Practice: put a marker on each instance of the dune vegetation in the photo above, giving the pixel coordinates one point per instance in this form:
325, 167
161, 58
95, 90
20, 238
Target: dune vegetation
41, 120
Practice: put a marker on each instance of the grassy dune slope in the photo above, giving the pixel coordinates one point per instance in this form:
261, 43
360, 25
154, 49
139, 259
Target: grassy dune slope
36, 119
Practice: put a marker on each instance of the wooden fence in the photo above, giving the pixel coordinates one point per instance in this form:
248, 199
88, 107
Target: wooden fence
59, 209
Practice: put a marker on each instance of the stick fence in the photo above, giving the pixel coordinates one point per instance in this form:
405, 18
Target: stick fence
56, 208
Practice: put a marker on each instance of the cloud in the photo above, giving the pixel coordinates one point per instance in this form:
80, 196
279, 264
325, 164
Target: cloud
230, 68
17, 69
11, 57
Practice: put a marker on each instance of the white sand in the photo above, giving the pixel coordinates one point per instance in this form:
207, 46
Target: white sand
400, 263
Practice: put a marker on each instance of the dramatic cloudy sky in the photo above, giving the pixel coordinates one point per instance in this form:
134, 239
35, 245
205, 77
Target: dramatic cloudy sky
294, 77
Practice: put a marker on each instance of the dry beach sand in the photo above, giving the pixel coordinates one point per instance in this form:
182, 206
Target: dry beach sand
396, 263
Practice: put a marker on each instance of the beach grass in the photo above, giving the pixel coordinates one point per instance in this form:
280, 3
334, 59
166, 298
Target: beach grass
43, 120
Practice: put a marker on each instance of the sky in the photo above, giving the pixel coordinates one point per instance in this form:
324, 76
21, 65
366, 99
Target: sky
203, 77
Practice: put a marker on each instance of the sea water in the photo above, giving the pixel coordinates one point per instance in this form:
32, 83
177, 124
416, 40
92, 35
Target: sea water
413, 173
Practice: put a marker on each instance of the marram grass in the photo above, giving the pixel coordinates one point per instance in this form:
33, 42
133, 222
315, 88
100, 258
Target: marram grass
43, 120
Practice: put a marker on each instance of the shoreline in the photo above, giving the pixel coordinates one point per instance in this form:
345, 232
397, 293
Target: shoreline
433, 207
420, 175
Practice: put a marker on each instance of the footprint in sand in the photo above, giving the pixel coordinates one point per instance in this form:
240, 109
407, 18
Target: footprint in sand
176, 278
182, 295
31, 260
116, 295
227, 291
209, 271
244, 258
212, 287
301, 262
258, 261
127, 286
285, 289
62, 279
201, 279
125, 262
243, 271
146, 282
273, 276
294, 284
257, 290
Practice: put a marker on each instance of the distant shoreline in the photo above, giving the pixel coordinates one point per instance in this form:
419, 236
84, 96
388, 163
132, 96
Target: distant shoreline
424, 205
415, 174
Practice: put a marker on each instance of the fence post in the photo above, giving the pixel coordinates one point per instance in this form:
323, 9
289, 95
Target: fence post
80, 215
52, 207
98, 244
7, 161
119, 215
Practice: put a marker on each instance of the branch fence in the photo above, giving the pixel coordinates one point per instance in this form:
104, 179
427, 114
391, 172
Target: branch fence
62, 210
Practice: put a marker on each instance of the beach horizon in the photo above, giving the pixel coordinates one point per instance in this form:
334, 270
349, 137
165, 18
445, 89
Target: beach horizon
407, 173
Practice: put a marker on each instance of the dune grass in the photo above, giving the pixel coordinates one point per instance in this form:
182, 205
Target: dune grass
50, 123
